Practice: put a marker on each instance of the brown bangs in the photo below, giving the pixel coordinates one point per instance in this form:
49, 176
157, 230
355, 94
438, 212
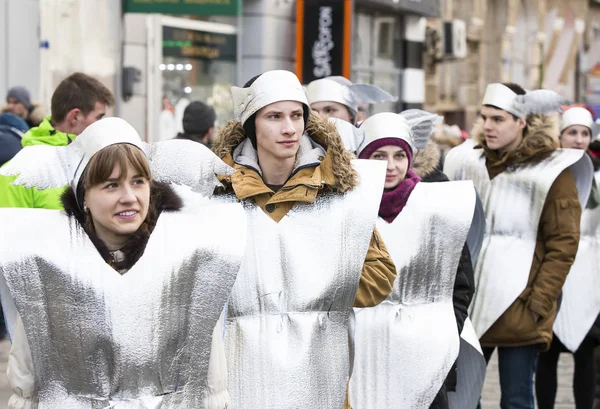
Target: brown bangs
103, 163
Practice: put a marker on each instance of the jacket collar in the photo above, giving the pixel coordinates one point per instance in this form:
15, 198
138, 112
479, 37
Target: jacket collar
313, 170
45, 134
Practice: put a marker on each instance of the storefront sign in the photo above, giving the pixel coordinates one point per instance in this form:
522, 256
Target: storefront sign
323, 32
191, 7
425, 8
201, 45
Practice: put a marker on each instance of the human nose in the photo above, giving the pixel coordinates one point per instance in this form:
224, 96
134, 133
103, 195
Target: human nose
390, 164
127, 195
487, 124
288, 127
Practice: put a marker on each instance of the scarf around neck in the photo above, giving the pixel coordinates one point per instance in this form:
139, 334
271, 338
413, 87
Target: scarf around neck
394, 200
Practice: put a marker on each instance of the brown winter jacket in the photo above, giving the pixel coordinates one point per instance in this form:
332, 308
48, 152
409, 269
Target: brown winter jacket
556, 247
334, 173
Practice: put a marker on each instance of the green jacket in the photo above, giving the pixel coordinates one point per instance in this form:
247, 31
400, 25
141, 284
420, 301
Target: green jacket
18, 196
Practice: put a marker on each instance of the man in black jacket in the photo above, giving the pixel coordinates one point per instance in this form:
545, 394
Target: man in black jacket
198, 123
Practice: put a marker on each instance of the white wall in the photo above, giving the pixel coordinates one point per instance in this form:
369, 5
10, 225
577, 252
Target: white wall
19, 46
84, 36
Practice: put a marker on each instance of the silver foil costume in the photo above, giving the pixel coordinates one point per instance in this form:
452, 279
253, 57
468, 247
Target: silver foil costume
580, 303
471, 366
513, 203
141, 340
287, 339
406, 346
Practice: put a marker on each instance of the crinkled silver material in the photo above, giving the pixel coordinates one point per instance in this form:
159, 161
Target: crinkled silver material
477, 231
175, 161
406, 346
513, 203
471, 369
140, 340
421, 124
580, 303
352, 137
540, 101
287, 339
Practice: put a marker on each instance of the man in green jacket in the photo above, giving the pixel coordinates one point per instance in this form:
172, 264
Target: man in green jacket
78, 101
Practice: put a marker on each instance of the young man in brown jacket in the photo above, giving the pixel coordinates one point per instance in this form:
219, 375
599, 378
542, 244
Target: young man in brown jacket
313, 251
532, 208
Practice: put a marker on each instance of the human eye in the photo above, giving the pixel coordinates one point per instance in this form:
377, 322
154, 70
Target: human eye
139, 181
400, 155
378, 156
111, 185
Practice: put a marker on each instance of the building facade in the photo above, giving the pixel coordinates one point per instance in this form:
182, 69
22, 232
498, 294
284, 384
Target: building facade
156, 58
534, 43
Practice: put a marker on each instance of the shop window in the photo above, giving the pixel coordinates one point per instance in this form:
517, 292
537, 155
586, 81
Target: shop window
385, 37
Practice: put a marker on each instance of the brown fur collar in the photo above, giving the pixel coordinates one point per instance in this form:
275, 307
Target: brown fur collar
162, 198
427, 161
539, 142
36, 115
321, 131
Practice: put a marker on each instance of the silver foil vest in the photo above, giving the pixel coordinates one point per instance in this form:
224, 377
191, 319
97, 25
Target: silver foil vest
513, 203
140, 340
580, 303
406, 346
287, 339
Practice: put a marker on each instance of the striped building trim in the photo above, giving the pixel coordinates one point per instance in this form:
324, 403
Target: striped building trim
413, 75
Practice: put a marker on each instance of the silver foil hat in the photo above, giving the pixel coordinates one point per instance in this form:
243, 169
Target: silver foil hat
540, 101
343, 91
175, 161
576, 116
414, 126
269, 87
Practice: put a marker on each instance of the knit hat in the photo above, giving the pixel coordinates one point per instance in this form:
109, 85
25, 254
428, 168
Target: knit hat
20, 94
198, 118
379, 143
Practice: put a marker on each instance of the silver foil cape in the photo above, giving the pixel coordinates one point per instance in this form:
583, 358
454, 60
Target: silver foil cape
175, 161
471, 369
513, 203
140, 340
399, 362
581, 293
287, 339
470, 365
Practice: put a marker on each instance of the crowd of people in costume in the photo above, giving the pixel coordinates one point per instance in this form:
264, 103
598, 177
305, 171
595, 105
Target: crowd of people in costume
301, 256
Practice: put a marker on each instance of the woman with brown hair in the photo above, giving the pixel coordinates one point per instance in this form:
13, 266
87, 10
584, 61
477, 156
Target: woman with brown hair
115, 301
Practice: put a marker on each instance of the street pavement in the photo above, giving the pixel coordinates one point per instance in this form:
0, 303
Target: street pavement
491, 392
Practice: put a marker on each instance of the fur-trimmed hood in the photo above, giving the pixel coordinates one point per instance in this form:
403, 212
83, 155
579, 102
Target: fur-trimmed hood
36, 114
427, 160
162, 198
341, 174
540, 140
